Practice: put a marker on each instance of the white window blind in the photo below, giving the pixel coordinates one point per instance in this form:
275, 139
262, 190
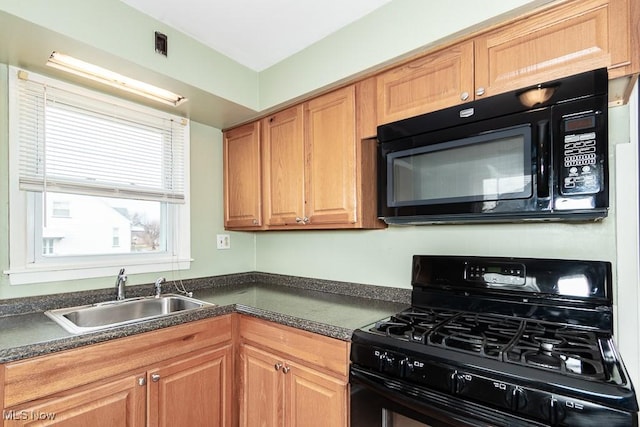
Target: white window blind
88, 143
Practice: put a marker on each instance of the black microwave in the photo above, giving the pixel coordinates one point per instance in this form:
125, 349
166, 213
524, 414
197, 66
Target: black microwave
539, 153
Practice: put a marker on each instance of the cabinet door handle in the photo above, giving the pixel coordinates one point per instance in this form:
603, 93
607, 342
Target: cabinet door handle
155, 377
277, 366
286, 369
480, 91
464, 96
142, 381
306, 220
255, 222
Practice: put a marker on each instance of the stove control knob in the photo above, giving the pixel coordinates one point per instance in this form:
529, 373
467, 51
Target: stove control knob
553, 411
406, 367
459, 381
517, 399
386, 361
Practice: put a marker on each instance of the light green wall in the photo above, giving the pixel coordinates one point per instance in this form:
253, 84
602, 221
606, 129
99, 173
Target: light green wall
395, 29
113, 27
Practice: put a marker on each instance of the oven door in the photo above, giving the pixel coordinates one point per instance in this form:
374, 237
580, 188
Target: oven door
377, 401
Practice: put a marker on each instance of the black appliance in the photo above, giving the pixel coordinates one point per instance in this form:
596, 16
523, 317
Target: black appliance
495, 342
539, 153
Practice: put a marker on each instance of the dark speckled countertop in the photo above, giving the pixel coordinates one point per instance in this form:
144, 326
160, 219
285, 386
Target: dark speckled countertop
334, 309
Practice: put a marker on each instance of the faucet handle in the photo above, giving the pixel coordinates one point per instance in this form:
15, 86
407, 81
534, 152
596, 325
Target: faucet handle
158, 286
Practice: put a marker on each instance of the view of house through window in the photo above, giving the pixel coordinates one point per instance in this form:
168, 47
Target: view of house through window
100, 225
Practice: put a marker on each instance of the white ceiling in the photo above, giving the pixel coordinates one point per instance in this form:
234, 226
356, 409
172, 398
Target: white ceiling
256, 33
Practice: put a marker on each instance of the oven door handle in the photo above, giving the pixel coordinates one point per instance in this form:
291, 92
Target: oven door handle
542, 145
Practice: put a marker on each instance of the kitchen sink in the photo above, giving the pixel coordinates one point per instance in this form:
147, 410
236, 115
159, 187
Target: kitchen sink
89, 318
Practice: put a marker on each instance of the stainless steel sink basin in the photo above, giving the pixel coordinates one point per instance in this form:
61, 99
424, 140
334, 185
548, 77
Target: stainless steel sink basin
88, 318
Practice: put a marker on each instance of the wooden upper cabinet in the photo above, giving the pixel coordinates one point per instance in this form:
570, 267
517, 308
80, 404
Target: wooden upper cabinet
283, 166
242, 177
565, 40
547, 44
330, 145
317, 171
438, 80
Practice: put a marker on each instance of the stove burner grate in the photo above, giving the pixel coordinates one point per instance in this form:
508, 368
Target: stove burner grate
519, 341
559, 348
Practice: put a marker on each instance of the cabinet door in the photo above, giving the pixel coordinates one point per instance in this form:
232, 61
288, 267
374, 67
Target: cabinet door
111, 403
283, 163
436, 81
313, 399
261, 389
242, 180
192, 391
559, 42
330, 148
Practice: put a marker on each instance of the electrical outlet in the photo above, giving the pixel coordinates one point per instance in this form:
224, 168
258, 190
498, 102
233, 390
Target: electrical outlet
223, 241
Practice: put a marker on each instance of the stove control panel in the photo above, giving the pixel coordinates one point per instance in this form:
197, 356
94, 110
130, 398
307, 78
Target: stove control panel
523, 398
496, 274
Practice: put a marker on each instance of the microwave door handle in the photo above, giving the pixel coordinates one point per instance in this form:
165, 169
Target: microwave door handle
544, 136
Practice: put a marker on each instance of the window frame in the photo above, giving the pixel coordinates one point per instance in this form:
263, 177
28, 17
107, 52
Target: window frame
26, 263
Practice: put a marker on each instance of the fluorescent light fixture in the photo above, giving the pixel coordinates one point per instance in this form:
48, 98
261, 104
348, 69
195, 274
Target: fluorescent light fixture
102, 75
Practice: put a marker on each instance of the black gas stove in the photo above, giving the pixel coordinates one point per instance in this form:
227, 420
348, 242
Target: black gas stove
499, 341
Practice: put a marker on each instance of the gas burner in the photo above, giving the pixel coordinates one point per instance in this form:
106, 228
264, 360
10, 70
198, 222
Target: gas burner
476, 333
559, 348
544, 359
547, 343
413, 324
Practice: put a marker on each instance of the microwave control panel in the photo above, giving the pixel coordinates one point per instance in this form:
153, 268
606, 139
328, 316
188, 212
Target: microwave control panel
580, 168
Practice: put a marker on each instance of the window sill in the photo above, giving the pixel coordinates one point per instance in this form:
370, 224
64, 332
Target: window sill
47, 273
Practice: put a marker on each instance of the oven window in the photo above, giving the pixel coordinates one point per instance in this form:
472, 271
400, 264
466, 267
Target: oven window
393, 419
489, 167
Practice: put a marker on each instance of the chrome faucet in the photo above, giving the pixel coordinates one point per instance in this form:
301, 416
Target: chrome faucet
120, 282
158, 286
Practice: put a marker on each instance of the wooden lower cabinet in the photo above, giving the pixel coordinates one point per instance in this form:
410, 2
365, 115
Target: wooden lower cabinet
282, 377
192, 392
189, 391
111, 403
313, 398
291, 378
279, 392
178, 376
262, 399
